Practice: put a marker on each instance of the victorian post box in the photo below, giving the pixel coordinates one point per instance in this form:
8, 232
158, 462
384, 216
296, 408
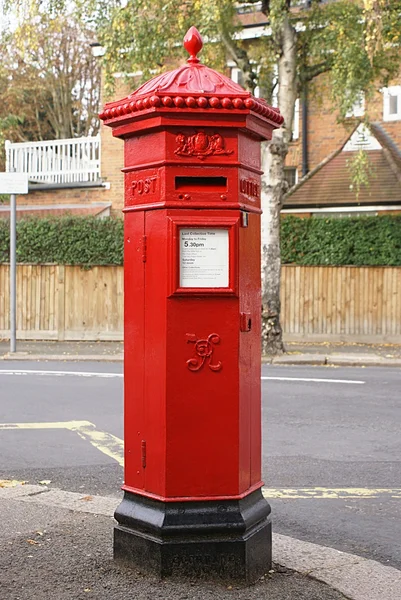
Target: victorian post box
192, 492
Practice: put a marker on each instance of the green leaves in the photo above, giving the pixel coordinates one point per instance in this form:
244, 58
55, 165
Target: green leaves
361, 171
359, 241
82, 241
147, 37
88, 241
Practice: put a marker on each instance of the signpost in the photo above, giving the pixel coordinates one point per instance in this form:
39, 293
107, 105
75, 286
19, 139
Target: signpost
13, 184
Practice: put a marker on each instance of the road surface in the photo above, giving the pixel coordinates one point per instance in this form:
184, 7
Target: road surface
331, 451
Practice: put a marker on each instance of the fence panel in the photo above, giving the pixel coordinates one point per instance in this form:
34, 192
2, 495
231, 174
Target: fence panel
341, 303
56, 302
36, 306
93, 303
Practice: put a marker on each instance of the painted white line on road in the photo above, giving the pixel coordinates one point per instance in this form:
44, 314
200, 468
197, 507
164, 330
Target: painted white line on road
314, 380
60, 373
120, 375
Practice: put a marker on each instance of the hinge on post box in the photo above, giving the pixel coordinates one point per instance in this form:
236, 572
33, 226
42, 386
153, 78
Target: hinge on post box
143, 453
144, 248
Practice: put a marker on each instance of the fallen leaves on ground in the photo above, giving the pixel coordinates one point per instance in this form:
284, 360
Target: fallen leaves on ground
6, 483
87, 498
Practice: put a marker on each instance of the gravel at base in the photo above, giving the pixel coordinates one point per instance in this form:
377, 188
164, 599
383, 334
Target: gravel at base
74, 562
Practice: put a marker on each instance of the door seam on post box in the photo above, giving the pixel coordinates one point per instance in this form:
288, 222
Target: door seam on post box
144, 413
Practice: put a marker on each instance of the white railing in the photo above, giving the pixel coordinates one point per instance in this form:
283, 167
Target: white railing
56, 161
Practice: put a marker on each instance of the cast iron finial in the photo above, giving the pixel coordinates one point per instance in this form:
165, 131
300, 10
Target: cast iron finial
193, 44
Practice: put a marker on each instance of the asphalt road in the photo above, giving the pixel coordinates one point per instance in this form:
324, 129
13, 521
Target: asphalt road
324, 429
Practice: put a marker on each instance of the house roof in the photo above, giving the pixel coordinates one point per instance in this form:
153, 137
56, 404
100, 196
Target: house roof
330, 183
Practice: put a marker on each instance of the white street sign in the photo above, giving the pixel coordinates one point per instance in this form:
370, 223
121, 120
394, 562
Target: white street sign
13, 183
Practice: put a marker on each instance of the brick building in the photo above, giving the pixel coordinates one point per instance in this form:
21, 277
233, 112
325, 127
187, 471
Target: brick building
310, 160
327, 186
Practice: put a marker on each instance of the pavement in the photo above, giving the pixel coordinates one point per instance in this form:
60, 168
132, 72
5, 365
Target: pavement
57, 544
324, 353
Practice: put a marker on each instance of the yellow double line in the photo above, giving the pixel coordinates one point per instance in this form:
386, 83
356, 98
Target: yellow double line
112, 446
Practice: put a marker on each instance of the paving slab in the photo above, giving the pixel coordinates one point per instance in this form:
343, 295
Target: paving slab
385, 350
364, 580
356, 577
23, 356
98, 505
19, 491
299, 359
357, 360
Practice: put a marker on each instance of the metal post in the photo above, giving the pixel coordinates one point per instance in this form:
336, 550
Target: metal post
13, 273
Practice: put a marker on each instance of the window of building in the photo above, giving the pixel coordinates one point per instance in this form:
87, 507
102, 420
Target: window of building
392, 103
291, 176
295, 123
237, 76
248, 7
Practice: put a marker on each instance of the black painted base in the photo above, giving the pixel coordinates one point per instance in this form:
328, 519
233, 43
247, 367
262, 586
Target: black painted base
227, 539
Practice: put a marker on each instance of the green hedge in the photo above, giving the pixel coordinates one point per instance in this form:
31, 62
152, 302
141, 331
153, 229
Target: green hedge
317, 241
342, 241
83, 241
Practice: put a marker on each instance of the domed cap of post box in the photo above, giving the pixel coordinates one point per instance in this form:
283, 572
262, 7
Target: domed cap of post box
194, 87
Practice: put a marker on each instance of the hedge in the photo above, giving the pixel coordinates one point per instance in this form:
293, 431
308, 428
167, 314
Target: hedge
82, 241
359, 241
90, 241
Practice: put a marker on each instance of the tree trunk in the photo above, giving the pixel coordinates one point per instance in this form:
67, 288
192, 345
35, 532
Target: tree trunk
274, 187
272, 335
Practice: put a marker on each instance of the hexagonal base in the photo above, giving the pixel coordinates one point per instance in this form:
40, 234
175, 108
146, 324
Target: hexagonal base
229, 539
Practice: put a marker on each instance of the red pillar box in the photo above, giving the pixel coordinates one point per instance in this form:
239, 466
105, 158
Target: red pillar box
192, 493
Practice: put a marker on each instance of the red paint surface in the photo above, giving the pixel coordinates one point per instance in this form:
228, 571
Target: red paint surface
192, 355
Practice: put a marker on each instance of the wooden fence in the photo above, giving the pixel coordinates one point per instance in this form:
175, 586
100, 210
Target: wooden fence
56, 302
341, 303
318, 303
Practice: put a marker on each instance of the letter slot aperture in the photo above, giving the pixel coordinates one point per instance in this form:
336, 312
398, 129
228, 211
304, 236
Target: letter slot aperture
195, 184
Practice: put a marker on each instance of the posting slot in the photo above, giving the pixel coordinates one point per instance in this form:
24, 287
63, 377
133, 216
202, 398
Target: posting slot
196, 184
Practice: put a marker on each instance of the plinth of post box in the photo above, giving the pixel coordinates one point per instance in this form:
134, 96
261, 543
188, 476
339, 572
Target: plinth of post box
192, 494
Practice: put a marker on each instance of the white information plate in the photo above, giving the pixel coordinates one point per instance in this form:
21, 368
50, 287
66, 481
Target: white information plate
13, 183
204, 258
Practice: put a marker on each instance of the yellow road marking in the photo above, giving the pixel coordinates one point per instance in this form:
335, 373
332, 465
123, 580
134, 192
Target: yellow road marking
107, 443
112, 446
330, 493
